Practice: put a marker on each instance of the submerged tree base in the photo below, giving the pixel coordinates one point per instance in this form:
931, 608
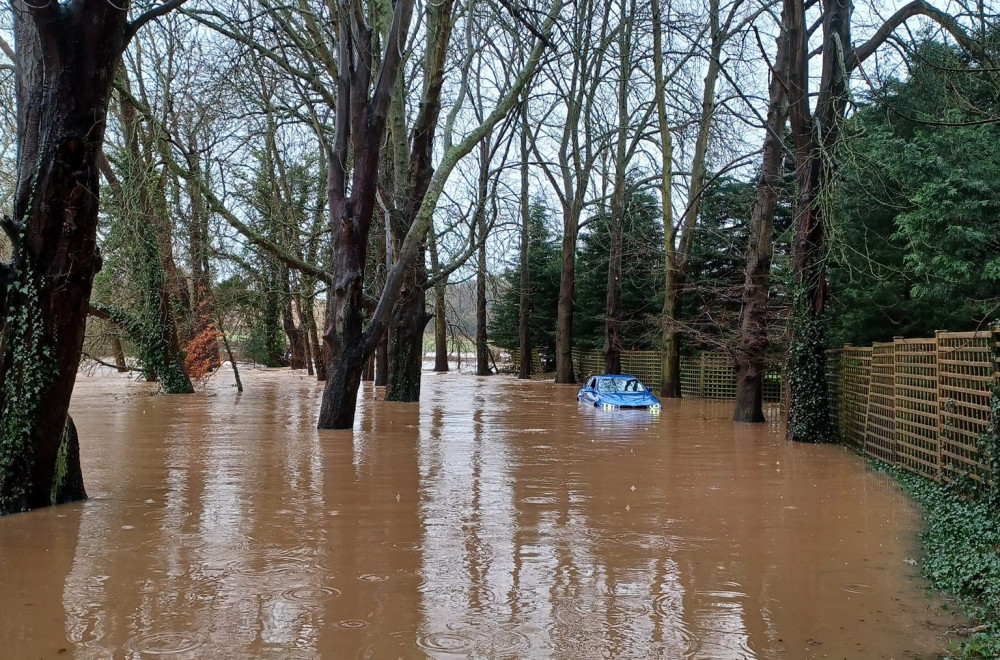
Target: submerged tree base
67, 484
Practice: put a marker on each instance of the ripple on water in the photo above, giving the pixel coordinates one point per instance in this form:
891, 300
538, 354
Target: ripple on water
858, 589
539, 499
352, 624
397, 645
407, 545
445, 642
311, 594
613, 611
372, 577
165, 643
504, 644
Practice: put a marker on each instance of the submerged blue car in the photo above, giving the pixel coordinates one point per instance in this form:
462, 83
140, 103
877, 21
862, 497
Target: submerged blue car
617, 392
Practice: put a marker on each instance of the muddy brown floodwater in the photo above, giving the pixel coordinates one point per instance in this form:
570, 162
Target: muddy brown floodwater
496, 519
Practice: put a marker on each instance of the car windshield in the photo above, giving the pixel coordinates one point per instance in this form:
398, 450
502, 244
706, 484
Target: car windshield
620, 385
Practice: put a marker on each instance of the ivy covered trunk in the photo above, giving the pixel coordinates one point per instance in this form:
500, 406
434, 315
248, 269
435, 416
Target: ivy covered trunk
66, 56
816, 137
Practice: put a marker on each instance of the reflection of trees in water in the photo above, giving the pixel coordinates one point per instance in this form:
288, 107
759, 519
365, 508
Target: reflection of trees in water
498, 519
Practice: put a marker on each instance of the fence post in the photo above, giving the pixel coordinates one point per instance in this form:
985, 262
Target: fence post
701, 377
940, 402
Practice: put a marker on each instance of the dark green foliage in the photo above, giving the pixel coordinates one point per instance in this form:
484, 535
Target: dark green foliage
253, 317
917, 231
961, 543
714, 294
543, 265
642, 277
20, 392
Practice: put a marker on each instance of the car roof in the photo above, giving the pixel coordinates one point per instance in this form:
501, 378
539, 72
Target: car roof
616, 377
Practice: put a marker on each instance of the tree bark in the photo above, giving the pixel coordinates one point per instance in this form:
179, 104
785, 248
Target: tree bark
360, 120
66, 59
482, 348
613, 300
670, 381
567, 282
679, 260
440, 311
410, 317
524, 308
116, 347
752, 343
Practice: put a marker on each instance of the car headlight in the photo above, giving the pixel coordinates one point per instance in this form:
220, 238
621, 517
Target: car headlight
655, 408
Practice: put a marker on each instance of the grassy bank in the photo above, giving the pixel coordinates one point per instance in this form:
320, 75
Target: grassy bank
961, 544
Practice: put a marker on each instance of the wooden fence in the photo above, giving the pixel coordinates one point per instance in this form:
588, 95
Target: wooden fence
920, 404
709, 375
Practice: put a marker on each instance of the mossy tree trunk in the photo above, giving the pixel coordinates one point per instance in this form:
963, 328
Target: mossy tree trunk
66, 55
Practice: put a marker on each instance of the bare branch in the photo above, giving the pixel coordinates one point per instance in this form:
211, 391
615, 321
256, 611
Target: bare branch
155, 12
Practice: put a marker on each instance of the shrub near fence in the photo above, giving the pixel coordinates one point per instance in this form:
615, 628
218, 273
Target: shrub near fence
920, 404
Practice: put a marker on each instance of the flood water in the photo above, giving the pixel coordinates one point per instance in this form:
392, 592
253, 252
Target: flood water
496, 519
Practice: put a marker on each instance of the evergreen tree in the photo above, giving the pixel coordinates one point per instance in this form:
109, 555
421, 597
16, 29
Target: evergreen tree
642, 277
543, 264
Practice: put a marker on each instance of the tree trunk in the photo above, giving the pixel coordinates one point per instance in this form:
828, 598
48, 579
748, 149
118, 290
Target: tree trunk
440, 312
116, 347
613, 302
567, 282
440, 328
65, 64
482, 348
751, 350
406, 348
524, 308
296, 337
382, 360
409, 315
200, 252
319, 359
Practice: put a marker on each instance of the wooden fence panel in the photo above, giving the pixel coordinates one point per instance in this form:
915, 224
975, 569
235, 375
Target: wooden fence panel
965, 379
856, 372
916, 414
880, 428
834, 388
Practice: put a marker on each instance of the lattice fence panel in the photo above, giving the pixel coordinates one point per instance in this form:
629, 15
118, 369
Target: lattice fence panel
855, 374
916, 415
537, 368
587, 364
834, 388
644, 365
719, 376
691, 377
965, 378
880, 429
773, 379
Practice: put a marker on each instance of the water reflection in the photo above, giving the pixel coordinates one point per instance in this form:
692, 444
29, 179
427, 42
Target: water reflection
495, 519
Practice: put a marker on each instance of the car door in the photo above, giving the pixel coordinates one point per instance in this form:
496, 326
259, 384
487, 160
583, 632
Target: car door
589, 394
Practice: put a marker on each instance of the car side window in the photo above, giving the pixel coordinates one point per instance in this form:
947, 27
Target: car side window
591, 383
